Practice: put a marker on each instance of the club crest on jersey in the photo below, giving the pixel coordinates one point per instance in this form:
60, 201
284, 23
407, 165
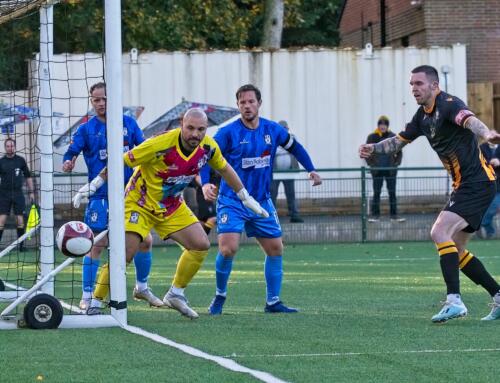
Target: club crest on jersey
267, 138
223, 218
134, 217
125, 131
94, 216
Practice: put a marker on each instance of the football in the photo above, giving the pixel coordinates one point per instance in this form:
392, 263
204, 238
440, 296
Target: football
75, 239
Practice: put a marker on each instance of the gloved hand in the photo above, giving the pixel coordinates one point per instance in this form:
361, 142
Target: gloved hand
251, 203
87, 190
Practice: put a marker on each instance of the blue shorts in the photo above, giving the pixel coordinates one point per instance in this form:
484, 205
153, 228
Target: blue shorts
234, 217
96, 215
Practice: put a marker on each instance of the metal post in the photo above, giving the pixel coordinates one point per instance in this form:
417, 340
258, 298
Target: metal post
114, 125
364, 205
46, 150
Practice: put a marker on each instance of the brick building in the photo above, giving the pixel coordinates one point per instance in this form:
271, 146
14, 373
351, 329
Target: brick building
397, 23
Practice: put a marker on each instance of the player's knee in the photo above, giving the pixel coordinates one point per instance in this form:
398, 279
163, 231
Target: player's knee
201, 244
147, 244
228, 250
437, 234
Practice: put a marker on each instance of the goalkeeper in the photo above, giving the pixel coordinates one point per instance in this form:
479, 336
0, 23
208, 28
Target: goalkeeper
90, 138
164, 166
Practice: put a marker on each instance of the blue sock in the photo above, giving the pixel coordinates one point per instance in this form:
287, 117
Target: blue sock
142, 262
223, 266
273, 270
89, 273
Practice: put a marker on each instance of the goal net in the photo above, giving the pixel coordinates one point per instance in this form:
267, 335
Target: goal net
44, 97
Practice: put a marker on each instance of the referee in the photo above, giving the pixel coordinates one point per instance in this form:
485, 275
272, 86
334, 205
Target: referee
13, 170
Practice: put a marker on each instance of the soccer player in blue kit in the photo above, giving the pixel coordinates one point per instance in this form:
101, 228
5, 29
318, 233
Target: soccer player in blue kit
249, 145
90, 138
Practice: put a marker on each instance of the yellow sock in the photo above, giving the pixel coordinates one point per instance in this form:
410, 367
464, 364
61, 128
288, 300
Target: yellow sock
187, 267
101, 289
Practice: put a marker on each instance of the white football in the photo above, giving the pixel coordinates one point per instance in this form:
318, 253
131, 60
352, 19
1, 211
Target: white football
75, 239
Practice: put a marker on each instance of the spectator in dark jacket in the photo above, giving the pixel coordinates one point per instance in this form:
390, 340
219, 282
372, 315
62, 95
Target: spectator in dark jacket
378, 161
491, 153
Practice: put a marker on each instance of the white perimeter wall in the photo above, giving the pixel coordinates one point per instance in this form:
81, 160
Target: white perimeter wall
331, 98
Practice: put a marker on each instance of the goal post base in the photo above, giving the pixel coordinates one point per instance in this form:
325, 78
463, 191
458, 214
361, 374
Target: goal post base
69, 322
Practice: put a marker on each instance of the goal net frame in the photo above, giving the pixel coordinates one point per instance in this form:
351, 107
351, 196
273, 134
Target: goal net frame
113, 75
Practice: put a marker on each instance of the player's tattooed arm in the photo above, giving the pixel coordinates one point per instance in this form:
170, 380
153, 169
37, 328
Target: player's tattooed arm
476, 126
389, 145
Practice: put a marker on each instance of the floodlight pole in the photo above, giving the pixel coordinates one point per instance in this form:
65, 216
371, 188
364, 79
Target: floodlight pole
114, 128
45, 146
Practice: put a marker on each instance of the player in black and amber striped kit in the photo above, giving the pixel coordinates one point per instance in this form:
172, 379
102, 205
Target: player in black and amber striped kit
454, 133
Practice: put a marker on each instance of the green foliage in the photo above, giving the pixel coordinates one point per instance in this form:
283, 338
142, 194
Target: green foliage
152, 25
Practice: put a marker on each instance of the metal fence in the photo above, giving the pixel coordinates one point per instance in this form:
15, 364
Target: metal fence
339, 209
336, 211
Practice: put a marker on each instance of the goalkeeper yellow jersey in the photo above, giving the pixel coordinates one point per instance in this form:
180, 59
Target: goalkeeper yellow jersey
163, 171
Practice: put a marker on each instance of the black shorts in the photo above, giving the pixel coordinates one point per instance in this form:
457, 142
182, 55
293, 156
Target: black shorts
470, 201
9, 200
206, 209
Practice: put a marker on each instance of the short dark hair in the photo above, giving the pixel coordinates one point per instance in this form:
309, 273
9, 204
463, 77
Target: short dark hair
7, 140
97, 85
431, 72
248, 88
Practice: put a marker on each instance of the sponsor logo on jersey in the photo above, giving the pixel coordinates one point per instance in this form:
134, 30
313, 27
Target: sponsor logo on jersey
256, 162
134, 217
179, 179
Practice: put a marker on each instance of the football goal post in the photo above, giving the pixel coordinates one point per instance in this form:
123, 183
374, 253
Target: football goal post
43, 100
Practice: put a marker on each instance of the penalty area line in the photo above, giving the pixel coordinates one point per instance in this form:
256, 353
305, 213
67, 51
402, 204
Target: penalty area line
226, 363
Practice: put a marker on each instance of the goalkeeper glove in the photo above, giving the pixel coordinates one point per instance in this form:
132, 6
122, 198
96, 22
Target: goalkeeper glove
251, 203
87, 190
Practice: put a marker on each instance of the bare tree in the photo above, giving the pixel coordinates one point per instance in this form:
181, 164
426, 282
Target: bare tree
273, 24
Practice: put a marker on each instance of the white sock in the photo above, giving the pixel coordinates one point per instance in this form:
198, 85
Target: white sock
177, 290
141, 286
221, 294
454, 298
496, 297
86, 295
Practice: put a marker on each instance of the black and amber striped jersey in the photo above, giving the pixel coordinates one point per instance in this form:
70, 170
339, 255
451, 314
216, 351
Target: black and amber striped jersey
456, 146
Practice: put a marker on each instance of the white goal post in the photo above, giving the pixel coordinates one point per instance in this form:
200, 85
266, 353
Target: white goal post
113, 76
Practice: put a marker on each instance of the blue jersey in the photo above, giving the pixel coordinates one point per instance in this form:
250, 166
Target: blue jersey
90, 138
251, 153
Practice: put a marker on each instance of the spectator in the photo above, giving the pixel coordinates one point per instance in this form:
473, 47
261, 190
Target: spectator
285, 161
389, 161
13, 171
491, 153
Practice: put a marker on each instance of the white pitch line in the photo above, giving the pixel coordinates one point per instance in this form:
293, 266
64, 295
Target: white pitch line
340, 354
228, 364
